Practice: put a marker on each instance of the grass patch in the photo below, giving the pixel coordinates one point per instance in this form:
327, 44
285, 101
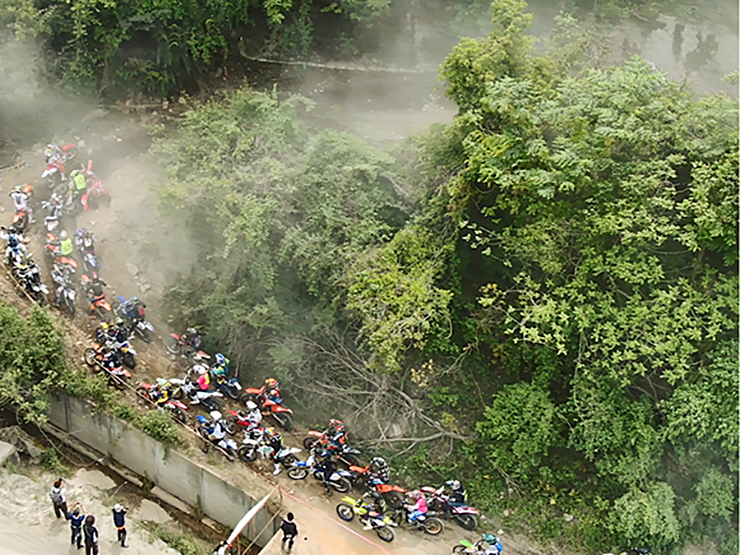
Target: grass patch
178, 540
53, 464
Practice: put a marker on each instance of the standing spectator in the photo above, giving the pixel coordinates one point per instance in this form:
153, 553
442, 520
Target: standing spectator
119, 519
58, 496
75, 522
290, 530
91, 536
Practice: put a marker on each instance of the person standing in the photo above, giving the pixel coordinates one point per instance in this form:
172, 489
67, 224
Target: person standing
58, 496
290, 531
90, 532
76, 518
119, 519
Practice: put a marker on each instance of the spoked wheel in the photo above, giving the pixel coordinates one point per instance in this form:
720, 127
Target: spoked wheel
206, 446
342, 485
129, 361
459, 549
247, 454
467, 522
394, 499
385, 533
230, 425
345, 512
297, 473
433, 526
309, 442
90, 356
284, 420
179, 415
172, 345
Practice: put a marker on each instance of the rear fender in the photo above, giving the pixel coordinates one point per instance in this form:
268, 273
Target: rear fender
278, 408
173, 335
314, 433
465, 510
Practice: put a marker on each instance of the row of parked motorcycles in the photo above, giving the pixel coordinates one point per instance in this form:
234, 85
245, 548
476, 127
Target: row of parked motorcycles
382, 505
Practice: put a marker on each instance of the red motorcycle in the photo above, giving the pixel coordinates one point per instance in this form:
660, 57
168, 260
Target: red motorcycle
174, 407
55, 158
21, 219
179, 346
439, 502
96, 191
282, 415
97, 357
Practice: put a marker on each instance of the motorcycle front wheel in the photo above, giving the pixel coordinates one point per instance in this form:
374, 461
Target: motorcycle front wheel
345, 512
297, 473
172, 345
385, 533
247, 454
342, 485
179, 415
90, 357
459, 549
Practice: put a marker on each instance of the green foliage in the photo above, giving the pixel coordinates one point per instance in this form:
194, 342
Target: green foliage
160, 425
31, 361
52, 463
646, 517
177, 540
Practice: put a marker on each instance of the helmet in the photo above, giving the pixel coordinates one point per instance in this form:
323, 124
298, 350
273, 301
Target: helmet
216, 416
454, 484
489, 538
220, 359
416, 494
251, 405
271, 382
56, 198
63, 235
80, 232
271, 432
104, 325
379, 462
119, 321
191, 331
17, 189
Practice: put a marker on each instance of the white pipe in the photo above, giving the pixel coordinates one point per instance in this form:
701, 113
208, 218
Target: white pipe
249, 516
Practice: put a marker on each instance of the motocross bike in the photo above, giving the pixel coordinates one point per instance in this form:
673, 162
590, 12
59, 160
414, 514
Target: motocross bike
21, 220
173, 406
27, 275
176, 345
97, 193
68, 298
250, 447
97, 358
367, 514
196, 396
54, 252
427, 522
338, 479
230, 386
346, 455
234, 421
54, 177
139, 325
393, 495
481, 547
204, 428
437, 501
282, 415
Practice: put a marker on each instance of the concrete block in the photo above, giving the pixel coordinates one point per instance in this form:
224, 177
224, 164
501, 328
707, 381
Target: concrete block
7, 452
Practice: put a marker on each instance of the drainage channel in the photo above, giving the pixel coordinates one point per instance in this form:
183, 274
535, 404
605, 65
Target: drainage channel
159, 512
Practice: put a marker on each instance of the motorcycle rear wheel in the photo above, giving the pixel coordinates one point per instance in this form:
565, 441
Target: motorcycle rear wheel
230, 455
142, 392
297, 473
433, 526
385, 533
459, 549
179, 415
284, 420
394, 499
129, 361
345, 512
467, 522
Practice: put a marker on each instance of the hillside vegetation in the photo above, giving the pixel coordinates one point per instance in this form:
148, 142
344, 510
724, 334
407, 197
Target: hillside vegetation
540, 298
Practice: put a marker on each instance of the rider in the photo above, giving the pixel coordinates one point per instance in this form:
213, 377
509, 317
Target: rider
337, 433
419, 508
193, 338
118, 334
272, 391
380, 472
253, 417
218, 431
221, 368
52, 153
275, 441
134, 309
85, 242
161, 394
20, 198
60, 276
66, 247
456, 495
495, 547
78, 184
16, 248
94, 289
53, 207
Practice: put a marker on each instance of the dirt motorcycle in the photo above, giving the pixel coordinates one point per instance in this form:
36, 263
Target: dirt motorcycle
428, 522
54, 176
338, 479
65, 295
234, 421
346, 455
137, 325
437, 501
97, 193
282, 415
196, 396
97, 357
204, 428
366, 513
230, 386
393, 495
176, 345
481, 547
28, 276
173, 406
251, 444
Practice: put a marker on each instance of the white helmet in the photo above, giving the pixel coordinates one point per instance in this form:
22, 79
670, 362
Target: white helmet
216, 416
200, 369
63, 235
251, 405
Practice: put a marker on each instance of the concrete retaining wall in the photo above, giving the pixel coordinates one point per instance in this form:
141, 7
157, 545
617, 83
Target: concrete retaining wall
172, 471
